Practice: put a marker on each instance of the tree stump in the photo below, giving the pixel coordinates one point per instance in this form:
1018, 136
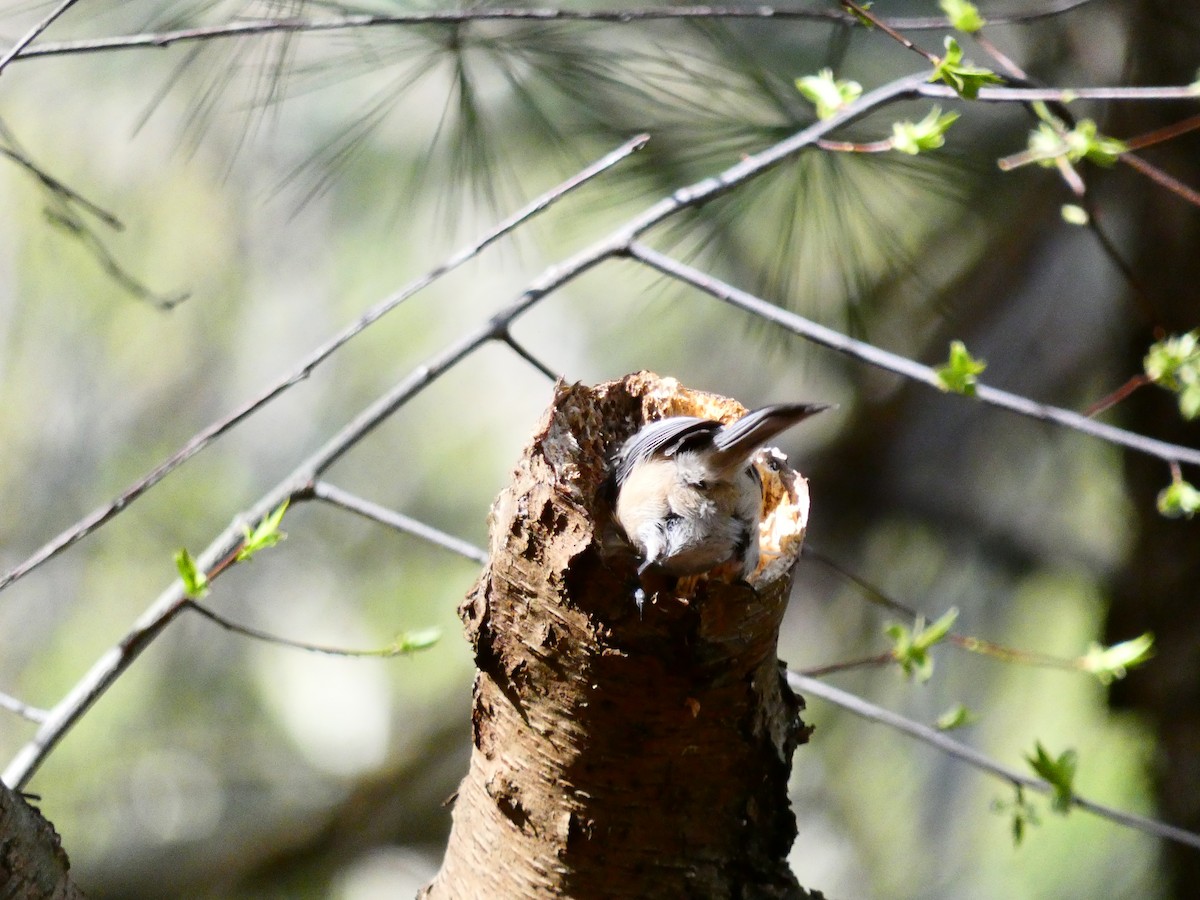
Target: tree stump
618, 755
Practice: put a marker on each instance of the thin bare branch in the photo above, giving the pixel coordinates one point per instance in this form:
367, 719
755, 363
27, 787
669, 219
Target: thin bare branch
335, 496
1117, 396
813, 688
876, 661
522, 351
203, 438
57, 187
399, 648
879, 597
915, 371
31, 35
1161, 178
22, 709
251, 27
1004, 94
891, 30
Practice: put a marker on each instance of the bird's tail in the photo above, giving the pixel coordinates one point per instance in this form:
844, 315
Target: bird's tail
736, 442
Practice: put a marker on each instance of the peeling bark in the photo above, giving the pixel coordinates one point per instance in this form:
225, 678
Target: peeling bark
617, 755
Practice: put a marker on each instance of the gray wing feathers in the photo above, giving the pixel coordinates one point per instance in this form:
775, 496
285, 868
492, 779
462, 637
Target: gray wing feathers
738, 440
663, 436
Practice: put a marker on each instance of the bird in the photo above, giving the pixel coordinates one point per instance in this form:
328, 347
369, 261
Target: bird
688, 499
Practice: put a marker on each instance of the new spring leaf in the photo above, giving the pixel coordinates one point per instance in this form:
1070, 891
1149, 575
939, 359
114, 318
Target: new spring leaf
1179, 500
928, 134
961, 371
1111, 663
1050, 141
195, 582
1059, 771
962, 15
1174, 363
956, 716
266, 534
910, 647
826, 93
966, 79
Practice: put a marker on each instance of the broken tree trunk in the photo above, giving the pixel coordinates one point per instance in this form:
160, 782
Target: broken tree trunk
618, 755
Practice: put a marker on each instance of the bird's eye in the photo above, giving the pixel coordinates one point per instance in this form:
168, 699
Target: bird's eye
702, 484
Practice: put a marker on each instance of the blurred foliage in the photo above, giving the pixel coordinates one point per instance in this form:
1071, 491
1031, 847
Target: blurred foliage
285, 182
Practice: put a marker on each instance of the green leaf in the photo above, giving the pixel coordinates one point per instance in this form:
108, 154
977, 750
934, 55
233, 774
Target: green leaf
1166, 359
928, 134
956, 716
1023, 813
963, 15
960, 374
1074, 214
826, 93
195, 582
1086, 142
910, 647
966, 79
1189, 401
1179, 500
1111, 663
863, 20
411, 641
1174, 363
266, 534
1059, 771
1050, 141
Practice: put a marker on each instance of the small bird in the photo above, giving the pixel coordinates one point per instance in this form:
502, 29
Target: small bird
687, 496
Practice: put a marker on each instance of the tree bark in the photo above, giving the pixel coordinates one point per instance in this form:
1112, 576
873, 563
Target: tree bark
33, 864
617, 754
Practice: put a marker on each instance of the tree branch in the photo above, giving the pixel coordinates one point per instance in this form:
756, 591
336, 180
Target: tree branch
203, 438
257, 27
335, 496
899, 365
22, 709
31, 35
811, 687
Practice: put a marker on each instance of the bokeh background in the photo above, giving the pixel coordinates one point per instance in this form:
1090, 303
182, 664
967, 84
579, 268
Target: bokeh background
287, 182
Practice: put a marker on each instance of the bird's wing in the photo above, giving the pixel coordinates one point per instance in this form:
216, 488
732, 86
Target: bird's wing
738, 440
663, 436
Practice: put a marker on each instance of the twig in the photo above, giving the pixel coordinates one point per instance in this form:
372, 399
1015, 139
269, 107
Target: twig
891, 30
522, 351
1133, 384
972, 644
203, 438
1004, 94
335, 496
1161, 178
971, 756
253, 27
1006, 62
1166, 133
891, 362
31, 35
875, 661
267, 637
55, 186
22, 709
